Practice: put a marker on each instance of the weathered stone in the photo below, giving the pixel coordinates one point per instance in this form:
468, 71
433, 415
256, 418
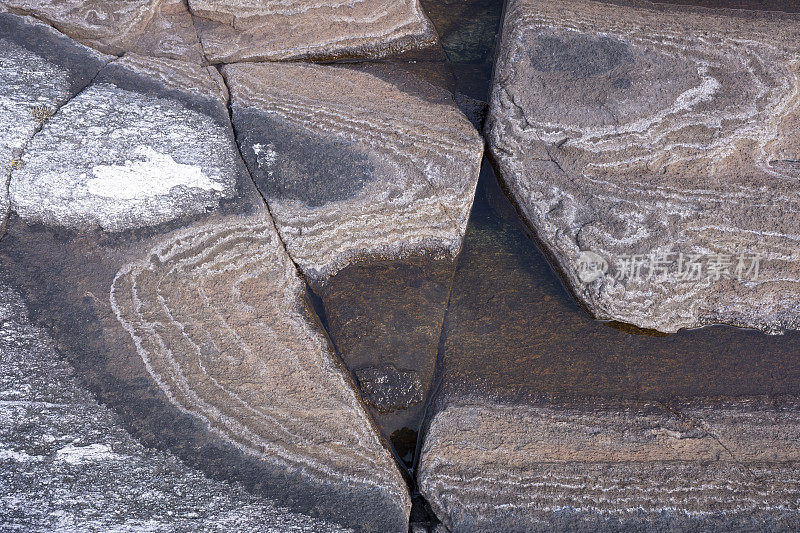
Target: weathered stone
635, 129
370, 178
514, 342
489, 466
389, 389
161, 28
242, 30
139, 238
67, 463
40, 70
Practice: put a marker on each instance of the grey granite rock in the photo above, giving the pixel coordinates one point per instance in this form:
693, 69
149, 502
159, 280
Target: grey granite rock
140, 158
607, 466
653, 150
68, 464
40, 70
138, 238
241, 30
160, 28
369, 174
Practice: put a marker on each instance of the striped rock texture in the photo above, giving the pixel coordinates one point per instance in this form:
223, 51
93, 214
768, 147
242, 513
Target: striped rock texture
633, 131
696, 464
139, 239
67, 463
243, 30
152, 27
369, 174
352, 165
40, 70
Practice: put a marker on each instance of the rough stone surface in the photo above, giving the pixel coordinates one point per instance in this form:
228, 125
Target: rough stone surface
388, 388
647, 130
139, 239
353, 166
40, 70
140, 159
68, 464
522, 367
160, 28
715, 466
242, 30
370, 176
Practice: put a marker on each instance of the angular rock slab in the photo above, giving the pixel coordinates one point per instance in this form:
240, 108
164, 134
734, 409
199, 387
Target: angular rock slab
702, 464
628, 133
160, 28
242, 30
370, 178
138, 236
40, 70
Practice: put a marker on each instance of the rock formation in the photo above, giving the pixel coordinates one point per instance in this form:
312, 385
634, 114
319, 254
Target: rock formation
241, 30
654, 149
720, 466
41, 70
67, 463
369, 177
138, 237
161, 28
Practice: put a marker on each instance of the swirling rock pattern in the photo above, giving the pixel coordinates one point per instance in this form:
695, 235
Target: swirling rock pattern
217, 316
242, 30
351, 165
370, 177
137, 235
643, 130
66, 462
153, 27
40, 70
716, 465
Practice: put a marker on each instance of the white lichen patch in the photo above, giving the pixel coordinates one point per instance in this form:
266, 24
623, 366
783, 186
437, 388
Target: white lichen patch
155, 176
120, 159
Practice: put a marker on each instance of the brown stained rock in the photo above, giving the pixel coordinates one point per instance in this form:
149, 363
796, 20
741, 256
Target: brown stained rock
370, 177
490, 466
640, 132
242, 30
138, 237
161, 28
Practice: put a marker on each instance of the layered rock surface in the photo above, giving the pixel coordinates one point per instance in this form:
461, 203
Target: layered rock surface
242, 30
545, 419
720, 466
654, 149
138, 237
67, 463
41, 70
161, 28
369, 176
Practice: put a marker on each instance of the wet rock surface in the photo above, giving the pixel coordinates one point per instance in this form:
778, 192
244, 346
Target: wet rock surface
163, 278
651, 151
298, 29
68, 463
160, 28
369, 175
515, 342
